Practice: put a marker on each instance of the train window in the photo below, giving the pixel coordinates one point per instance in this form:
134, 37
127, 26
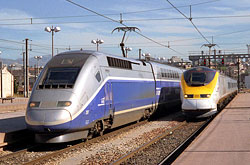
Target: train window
68, 60
171, 74
117, 63
199, 76
168, 74
62, 70
59, 77
123, 63
98, 76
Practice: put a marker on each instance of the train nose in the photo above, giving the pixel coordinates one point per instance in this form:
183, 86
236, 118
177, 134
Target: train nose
47, 118
188, 104
194, 104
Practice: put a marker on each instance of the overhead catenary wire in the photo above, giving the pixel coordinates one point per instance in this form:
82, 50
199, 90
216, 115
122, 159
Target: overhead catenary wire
79, 16
198, 36
9, 48
34, 43
20, 49
122, 24
190, 21
126, 20
16, 42
195, 4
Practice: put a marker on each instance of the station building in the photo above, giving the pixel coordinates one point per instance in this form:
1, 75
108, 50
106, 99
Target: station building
7, 83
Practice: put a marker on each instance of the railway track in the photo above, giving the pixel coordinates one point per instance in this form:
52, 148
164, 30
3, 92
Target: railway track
144, 146
28, 156
174, 154
165, 148
152, 151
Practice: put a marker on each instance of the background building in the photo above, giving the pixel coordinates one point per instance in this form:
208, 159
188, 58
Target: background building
8, 83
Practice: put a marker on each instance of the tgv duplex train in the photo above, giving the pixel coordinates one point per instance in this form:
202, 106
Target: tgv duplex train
204, 90
81, 93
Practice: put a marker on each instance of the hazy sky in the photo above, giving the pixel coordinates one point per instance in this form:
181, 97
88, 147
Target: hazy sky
156, 19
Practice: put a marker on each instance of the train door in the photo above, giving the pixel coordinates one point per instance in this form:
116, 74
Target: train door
109, 106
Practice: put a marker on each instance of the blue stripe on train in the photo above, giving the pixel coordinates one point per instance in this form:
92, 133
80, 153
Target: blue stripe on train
126, 95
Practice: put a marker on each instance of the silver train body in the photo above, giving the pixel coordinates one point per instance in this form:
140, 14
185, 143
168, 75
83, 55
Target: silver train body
204, 91
81, 93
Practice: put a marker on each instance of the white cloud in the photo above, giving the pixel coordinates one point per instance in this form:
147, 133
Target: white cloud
222, 8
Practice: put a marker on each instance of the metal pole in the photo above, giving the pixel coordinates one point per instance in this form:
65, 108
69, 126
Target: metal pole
52, 30
24, 75
202, 58
122, 44
2, 80
209, 57
97, 45
11, 91
238, 82
27, 68
139, 54
215, 59
37, 72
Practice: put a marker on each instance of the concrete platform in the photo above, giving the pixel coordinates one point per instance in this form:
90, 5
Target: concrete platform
19, 104
12, 127
12, 122
226, 141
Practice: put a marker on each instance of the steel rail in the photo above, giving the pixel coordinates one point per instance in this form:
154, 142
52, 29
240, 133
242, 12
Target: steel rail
20, 152
176, 152
77, 146
131, 154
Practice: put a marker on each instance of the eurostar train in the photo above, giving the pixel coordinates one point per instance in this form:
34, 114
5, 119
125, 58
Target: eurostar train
204, 91
82, 93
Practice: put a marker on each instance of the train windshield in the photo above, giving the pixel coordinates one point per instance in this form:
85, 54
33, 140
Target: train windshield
62, 71
199, 76
61, 76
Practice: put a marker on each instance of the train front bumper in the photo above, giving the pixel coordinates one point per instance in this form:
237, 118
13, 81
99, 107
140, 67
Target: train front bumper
48, 120
198, 108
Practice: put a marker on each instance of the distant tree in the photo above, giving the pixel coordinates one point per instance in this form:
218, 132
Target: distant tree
15, 86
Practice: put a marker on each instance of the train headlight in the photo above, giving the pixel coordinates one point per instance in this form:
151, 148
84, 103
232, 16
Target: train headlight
63, 103
34, 104
205, 95
188, 96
